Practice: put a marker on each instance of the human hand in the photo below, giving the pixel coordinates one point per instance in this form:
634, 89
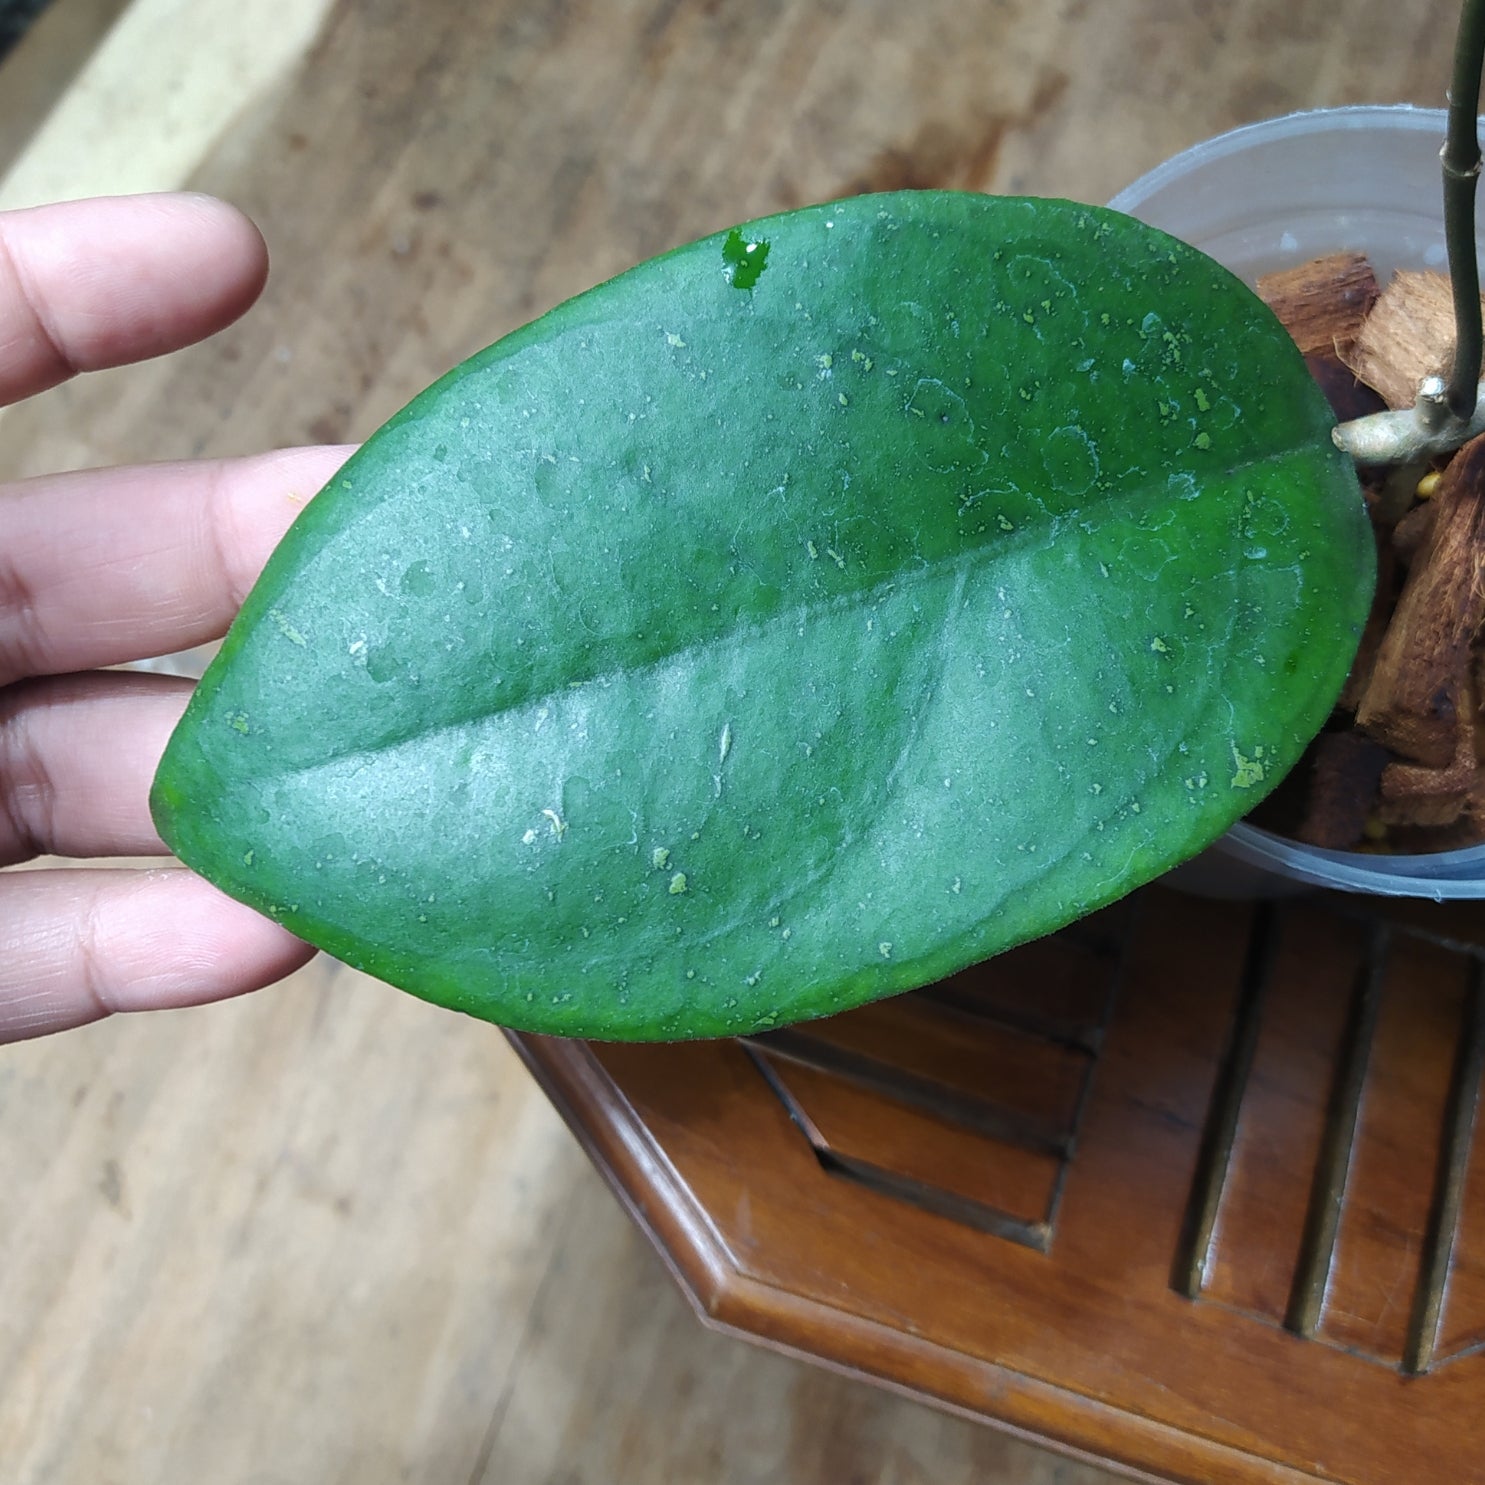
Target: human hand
106, 566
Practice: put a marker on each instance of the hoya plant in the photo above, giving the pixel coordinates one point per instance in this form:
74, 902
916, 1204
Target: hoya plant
788, 622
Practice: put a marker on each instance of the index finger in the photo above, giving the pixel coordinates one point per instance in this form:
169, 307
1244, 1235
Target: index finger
88, 284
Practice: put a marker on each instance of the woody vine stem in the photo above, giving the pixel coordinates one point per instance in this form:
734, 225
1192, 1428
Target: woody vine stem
1445, 414
1461, 159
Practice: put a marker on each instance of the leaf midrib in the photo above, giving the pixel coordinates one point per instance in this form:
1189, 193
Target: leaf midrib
930, 571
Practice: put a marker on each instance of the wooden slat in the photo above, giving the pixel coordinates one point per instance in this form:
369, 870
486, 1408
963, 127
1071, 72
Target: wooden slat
1278, 1145
1401, 1131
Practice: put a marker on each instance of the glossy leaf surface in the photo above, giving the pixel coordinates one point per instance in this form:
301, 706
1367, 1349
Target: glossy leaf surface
794, 619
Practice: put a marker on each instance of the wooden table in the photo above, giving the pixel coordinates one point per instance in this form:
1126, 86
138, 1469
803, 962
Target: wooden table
1193, 1187
327, 1233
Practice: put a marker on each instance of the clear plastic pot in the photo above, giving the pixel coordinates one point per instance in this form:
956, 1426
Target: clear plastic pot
1269, 196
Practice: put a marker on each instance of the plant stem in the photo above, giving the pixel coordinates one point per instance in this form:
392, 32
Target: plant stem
1461, 159
1445, 414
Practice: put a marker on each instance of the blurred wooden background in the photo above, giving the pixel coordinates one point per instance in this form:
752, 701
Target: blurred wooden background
328, 1233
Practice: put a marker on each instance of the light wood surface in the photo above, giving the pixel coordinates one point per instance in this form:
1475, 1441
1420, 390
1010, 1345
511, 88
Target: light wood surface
43, 65
327, 1233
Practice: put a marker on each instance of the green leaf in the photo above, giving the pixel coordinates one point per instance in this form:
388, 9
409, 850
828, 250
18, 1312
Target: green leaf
792, 620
